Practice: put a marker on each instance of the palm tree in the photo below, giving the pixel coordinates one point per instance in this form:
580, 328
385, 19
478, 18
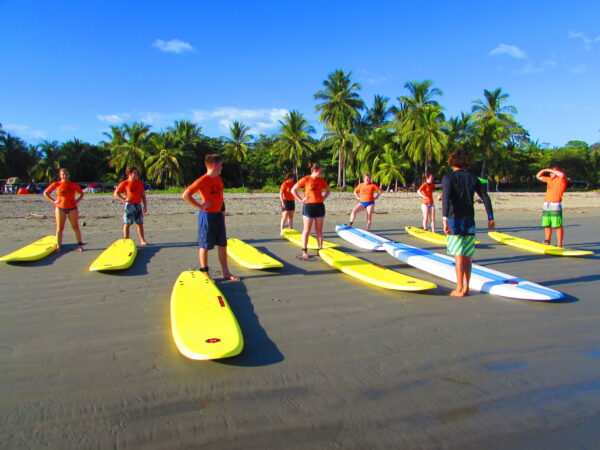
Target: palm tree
420, 96
426, 141
130, 146
339, 110
164, 165
343, 145
293, 143
377, 115
236, 147
47, 167
460, 131
494, 123
373, 147
392, 168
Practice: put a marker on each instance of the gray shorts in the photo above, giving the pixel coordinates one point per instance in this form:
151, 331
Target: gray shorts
133, 214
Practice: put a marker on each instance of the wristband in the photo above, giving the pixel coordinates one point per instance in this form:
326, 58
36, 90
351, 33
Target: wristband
490, 217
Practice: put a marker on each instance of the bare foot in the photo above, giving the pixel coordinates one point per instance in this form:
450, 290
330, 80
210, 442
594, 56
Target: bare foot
80, 248
143, 243
457, 293
230, 276
304, 255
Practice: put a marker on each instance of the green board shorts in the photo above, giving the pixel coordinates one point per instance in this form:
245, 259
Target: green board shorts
457, 245
552, 215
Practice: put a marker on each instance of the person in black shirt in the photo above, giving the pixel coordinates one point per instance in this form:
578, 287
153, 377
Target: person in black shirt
458, 189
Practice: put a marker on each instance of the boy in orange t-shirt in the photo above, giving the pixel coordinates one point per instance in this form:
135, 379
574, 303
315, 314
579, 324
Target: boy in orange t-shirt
366, 193
135, 197
211, 220
556, 185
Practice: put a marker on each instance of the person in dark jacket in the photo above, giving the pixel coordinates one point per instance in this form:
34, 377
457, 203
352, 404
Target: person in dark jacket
458, 190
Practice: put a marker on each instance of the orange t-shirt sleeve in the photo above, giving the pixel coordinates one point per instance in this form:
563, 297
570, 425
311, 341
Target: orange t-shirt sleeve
211, 190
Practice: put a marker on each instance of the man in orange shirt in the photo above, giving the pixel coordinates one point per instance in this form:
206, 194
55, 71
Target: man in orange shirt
556, 182
211, 220
366, 193
135, 197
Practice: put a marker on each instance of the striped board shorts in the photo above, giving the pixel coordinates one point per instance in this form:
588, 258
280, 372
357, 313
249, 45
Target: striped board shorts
458, 245
552, 215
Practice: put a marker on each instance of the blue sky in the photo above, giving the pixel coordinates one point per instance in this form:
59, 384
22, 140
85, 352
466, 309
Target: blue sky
73, 68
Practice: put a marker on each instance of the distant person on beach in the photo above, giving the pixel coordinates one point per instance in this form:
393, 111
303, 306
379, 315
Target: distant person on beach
288, 203
313, 209
427, 204
65, 206
135, 203
556, 185
458, 189
366, 193
211, 217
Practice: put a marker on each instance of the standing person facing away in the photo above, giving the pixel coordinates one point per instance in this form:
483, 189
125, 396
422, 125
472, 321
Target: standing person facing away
211, 219
313, 209
366, 193
427, 204
135, 197
556, 185
458, 189
65, 206
288, 204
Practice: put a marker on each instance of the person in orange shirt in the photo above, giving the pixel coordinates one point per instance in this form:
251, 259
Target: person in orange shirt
288, 204
135, 197
366, 193
211, 217
313, 209
556, 185
427, 205
65, 206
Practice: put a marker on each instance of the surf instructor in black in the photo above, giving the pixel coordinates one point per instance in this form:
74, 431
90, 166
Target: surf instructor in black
458, 190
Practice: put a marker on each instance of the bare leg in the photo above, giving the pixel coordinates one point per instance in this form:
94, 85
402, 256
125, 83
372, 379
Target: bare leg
547, 235
355, 210
560, 232
282, 222
125, 231
222, 253
74, 221
370, 210
425, 211
203, 257
462, 267
140, 230
305, 232
432, 217
61, 218
319, 221
291, 219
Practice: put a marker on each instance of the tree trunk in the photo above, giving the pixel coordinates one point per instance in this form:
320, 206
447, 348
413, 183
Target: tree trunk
483, 168
340, 159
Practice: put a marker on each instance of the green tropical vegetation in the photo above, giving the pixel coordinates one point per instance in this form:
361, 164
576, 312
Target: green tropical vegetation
395, 143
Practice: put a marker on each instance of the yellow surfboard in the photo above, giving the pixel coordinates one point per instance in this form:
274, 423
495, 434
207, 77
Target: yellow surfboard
118, 256
202, 322
429, 236
295, 237
248, 256
34, 251
372, 273
536, 247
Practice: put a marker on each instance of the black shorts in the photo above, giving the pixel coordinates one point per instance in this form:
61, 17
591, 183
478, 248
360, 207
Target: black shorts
313, 210
288, 205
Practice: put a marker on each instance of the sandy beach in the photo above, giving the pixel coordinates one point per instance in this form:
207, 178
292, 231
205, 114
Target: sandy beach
87, 359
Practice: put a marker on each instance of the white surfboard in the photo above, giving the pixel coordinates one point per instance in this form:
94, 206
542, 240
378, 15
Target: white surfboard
482, 278
361, 238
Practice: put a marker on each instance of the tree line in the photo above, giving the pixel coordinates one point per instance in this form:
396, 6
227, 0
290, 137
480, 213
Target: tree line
396, 142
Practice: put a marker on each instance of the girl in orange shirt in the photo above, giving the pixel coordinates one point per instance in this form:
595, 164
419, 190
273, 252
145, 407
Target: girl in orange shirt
366, 193
427, 205
313, 209
65, 206
288, 204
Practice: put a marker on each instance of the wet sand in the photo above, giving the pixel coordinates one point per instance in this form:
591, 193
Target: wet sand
87, 359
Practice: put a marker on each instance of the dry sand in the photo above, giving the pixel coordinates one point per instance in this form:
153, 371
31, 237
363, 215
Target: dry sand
87, 359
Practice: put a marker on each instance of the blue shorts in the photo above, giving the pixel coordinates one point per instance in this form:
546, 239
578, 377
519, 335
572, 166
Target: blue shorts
365, 204
464, 226
313, 210
211, 230
133, 214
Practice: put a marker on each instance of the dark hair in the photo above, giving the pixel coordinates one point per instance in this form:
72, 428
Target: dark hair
131, 169
213, 158
315, 166
459, 159
289, 175
427, 175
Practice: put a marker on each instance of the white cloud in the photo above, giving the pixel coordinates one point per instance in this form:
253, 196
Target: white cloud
173, 46
510, 50
259, 120
113, 118
578, 69
587, 41
24, 131
530, 67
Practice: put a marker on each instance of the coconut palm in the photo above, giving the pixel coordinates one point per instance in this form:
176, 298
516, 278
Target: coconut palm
164, 166
420, 96
373, 147
426, 141
391, 169
236, 147
377, 115
47, 166
130, 146
293, 143
339, 110
343, 145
